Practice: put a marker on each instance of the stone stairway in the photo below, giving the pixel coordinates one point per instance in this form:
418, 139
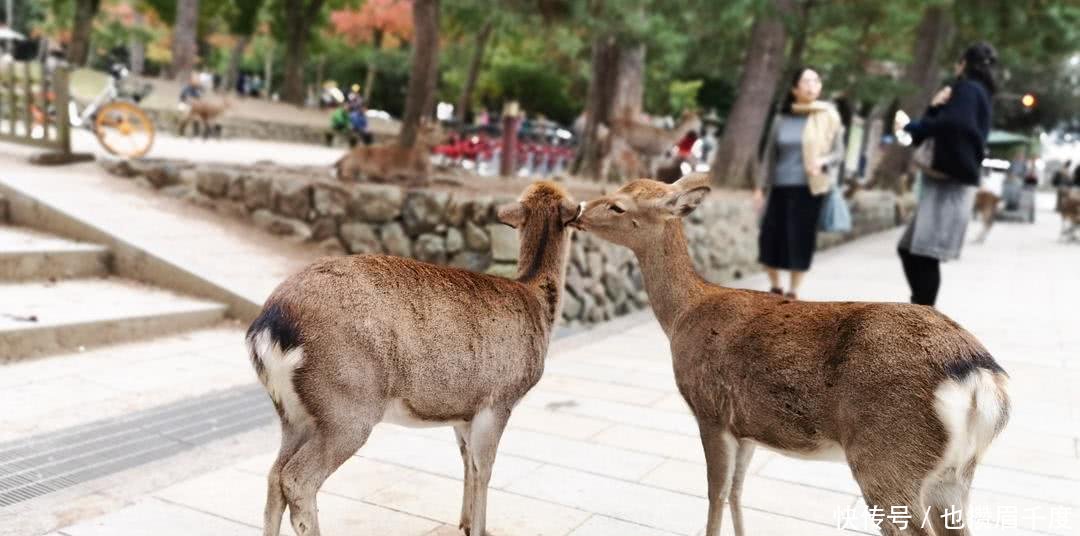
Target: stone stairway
60, 296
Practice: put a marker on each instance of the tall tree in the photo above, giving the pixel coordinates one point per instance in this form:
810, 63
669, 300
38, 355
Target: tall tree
244, 18
79, 48
598, 103
300, 17
465, 100
921, 77
737, 148
420, 97
185, 34
379, 23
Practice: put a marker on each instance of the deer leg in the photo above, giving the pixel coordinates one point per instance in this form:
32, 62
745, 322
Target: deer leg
486, 430
291, 439
316, 459
462, 432
891, 484
720, 453
743, 456
946, 493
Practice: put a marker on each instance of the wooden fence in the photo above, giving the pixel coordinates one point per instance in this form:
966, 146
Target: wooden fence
34, 109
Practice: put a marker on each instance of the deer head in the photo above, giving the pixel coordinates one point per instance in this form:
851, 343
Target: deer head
635, 215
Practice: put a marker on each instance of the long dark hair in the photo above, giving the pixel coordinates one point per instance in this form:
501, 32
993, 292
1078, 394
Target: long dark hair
979, 60
789, 99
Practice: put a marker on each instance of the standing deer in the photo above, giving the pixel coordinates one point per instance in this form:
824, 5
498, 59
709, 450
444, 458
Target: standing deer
904, 395
350, 342
204, 112
649, 142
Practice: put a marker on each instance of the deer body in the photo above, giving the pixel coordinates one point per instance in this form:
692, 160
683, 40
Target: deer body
204, 111
901, 393
385, 160
648, 141
353, 341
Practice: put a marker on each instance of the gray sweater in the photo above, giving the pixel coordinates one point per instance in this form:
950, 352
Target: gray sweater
782, 162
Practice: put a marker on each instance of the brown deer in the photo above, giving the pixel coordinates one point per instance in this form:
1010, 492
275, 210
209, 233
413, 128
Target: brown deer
384, 161
1069, 207
986, 208
901, 393
648, 141
350, 342
204, 112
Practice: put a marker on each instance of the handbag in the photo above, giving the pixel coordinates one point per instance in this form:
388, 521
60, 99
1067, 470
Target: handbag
835, 215
923, 157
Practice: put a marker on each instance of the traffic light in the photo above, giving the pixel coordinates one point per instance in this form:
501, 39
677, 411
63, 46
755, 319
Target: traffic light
1028, 100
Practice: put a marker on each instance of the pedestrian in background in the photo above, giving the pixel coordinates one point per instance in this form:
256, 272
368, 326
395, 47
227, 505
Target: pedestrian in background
958, 123
803, 151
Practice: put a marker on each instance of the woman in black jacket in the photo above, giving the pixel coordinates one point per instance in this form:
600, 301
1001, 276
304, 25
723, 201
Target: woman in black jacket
958, 122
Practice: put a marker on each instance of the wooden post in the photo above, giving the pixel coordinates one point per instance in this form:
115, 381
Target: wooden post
46, 83
28, 105
508, 162
63, 123
12, 108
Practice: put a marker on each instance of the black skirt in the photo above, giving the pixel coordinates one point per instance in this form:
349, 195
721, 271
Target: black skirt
789, 229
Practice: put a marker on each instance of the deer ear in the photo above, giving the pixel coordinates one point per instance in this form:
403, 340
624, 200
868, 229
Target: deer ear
569, 211
512, 214
683, 202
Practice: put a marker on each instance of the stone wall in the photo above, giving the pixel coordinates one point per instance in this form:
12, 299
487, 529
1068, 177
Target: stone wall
244, 127
459, 229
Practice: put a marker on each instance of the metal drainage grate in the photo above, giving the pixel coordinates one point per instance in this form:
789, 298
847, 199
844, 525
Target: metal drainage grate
42, 464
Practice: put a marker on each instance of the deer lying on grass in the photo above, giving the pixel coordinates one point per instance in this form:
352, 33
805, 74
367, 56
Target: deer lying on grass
904, 395
384, 161
350, 342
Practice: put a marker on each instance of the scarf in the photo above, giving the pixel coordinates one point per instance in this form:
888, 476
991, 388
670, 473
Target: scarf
822, 126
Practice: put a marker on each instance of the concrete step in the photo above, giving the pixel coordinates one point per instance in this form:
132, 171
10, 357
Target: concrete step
40, 318
31, 255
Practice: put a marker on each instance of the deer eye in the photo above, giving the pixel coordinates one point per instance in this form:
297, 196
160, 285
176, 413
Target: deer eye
617, 209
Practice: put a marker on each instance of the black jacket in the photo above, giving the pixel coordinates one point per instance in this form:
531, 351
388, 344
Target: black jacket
960, 128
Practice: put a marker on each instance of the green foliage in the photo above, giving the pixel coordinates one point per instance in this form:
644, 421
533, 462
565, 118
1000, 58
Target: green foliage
683, 95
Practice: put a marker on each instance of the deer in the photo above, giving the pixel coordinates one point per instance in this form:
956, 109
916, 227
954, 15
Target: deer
203, 112
385, 160
986, 208
1069, 207
652, 142
351, 342
901, 393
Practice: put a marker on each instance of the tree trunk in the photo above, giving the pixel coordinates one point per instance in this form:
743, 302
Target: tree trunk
137, 47
738, 146
599, 103
465, 101
798, 41
420, 98
268, 70
372, 68
235, 56
301, 15
184, 39
931, 37
630, 83
79, 49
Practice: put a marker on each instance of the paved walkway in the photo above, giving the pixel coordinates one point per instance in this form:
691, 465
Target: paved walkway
605, 446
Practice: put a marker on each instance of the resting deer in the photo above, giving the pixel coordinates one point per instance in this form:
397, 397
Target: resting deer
904, 395
652, 142
385, 160
350, 342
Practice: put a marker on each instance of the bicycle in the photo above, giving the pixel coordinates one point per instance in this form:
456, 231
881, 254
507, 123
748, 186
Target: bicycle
114, 116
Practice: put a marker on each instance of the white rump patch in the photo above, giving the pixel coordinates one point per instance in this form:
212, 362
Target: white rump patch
278, 369
971, 411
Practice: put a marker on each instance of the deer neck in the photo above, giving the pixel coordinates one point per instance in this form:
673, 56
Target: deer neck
668, 272
542, 267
